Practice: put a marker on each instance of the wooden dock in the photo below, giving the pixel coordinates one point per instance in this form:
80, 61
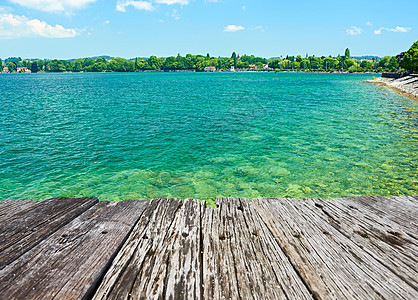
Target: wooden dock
349, 248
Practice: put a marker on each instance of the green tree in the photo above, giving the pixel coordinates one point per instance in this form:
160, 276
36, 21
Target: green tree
12, 66
388, 63
366, 65
143, 65
119, 64
275, 63
170, 63
98, 67
77, 65
393, 64
347, 53
410, 59
130, 66
15, 60
88, 64
314, 62
41, 65
349, 62
234, 57
329, 63
305, 64
34, 67
243, 65
200, 64
352, 69
57, 66
155, 63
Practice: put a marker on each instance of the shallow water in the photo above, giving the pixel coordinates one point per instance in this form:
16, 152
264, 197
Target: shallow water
190, 135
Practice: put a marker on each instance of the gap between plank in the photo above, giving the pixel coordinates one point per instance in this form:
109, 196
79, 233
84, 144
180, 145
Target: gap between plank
95, 285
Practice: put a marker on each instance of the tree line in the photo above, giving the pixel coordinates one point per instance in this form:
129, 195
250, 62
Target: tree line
200, 62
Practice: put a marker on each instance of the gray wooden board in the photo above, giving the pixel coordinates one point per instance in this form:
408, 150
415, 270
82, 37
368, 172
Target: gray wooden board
333, 263
10, 207
160, 259
380, 237
25, 229
400, 210
350, 248
241, 258
69, 263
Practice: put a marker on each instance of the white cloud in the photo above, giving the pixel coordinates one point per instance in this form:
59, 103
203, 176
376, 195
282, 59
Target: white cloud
12, 26
107, 22
141, 5
54, 5
397, 29
354, 30
147, 5
171, 2
175, 15
233, 28
369, 23
244, 8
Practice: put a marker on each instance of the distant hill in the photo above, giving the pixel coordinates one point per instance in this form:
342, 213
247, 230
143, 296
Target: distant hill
107, 57
370, 57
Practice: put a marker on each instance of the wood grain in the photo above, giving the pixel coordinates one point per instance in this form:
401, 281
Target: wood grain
345, 248
331, 260
146, 264
10, 207
241, 258
69, 263
27, 228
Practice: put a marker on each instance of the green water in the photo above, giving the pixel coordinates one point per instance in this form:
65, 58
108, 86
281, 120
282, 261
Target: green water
184, 135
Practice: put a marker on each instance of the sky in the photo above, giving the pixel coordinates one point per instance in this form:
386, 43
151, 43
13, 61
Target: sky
66, 29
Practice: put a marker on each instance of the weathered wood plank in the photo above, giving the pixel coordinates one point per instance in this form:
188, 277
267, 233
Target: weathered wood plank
380, 237
69, 263
332, 264
27, 228
160, 259
10, 207
350, 248
183, 271
219, 274
400, 210
241, 258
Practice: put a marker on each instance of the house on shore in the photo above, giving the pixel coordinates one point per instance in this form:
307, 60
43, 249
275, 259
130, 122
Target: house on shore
368, 60
5, 70
23, 70
210, 69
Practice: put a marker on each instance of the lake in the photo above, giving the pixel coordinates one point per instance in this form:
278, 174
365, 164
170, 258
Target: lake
126, 136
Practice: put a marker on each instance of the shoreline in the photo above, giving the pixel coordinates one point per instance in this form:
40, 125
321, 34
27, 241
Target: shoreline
194, 71
406, 86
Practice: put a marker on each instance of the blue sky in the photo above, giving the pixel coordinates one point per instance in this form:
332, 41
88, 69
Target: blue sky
129, 28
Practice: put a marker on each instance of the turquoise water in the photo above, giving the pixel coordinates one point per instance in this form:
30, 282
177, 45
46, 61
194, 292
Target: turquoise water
146, 135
